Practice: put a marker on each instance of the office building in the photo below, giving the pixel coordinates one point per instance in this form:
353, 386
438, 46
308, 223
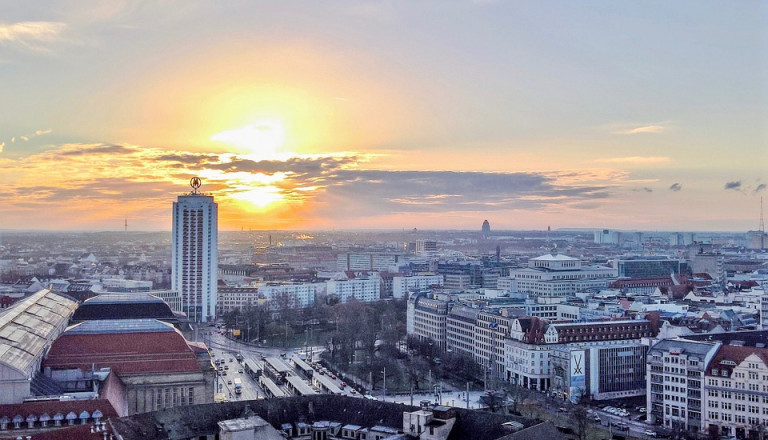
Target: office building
599, 370
194, 253
649, 267
559, 275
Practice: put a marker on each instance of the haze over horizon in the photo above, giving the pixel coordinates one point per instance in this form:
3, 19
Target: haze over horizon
385, 114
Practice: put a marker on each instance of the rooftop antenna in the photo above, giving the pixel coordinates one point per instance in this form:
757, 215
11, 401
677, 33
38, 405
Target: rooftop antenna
762, 225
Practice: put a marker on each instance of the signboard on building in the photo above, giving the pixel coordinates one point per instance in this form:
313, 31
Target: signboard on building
236, 333
578, 375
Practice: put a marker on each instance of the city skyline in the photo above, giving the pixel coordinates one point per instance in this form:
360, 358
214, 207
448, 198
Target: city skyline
385, 115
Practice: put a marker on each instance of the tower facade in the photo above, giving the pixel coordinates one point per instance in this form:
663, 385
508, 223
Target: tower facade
194, 253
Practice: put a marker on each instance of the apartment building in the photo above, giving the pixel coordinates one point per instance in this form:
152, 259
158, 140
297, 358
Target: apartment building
675, 375
402, 284
736, 384
362, 288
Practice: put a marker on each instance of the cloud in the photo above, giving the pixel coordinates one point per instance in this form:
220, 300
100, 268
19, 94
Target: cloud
641, 130
441, 191
645, 188
26, 138
117, 180
636, 159
758, 188
98, 149
2, 145
675, 187
736, 186
34, 36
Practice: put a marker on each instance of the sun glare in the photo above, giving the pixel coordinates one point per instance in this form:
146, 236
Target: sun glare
263, 138
260, 197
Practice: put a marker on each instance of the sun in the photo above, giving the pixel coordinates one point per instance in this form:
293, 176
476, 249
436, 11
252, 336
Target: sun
263, 138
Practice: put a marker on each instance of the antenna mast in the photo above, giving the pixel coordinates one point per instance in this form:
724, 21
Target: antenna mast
762, 225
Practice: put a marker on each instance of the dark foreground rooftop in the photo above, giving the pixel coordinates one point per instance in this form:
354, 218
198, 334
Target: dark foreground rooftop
194, 421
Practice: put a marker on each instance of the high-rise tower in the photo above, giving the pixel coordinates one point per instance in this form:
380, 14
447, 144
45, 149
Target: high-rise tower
194, 253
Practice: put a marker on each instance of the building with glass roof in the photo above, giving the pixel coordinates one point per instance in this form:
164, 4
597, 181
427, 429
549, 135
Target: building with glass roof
27, 331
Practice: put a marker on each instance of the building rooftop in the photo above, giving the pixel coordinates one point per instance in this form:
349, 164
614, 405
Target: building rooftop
554, 257
119, 326
124, 306
756, 338
698, 348
29, 325
199, 420
125, 346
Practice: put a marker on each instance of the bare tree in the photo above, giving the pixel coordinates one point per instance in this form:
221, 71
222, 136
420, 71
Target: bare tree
579, 416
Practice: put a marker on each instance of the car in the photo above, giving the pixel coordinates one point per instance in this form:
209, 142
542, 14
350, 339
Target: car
596, 418
229, 382
226, 367
343, 384
650, 433
240, 370
642, 409
224, 373
333, 376
230, 359
352, 391
563, 409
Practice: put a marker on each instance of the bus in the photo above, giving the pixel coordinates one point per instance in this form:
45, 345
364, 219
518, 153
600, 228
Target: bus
238, 385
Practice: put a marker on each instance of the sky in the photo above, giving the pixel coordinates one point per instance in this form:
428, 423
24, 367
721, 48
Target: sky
429, 114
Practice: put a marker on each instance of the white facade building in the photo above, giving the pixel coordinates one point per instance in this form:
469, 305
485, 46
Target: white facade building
370, 261
560, 275
401, 285
194, 255
362, 289
292, 295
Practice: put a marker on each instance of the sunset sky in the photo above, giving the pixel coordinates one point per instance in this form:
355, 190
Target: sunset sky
434, 114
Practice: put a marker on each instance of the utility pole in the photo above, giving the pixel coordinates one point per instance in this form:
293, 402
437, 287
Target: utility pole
467, 395
385, 384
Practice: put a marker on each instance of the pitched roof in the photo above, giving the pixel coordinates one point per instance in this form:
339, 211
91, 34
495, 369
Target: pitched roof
737, 354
